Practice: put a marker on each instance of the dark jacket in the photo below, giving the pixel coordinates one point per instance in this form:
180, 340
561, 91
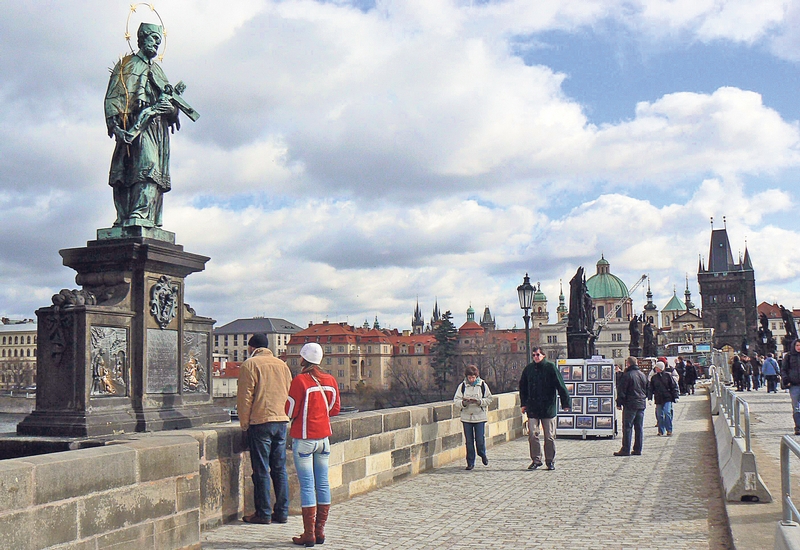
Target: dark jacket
737, 369
538, 387
790, 368
690, 376
662, 388
632, 389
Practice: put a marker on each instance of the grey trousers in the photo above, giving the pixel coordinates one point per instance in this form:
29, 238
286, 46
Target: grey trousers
549, 429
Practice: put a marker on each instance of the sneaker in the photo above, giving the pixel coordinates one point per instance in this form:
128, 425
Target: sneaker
551, 465
485, 460
535, 464
469, 467
621, 453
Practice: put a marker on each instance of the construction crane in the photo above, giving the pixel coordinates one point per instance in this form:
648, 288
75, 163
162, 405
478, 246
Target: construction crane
604, 321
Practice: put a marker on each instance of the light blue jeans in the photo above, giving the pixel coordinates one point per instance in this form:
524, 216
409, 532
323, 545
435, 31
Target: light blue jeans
311, 457
664, 417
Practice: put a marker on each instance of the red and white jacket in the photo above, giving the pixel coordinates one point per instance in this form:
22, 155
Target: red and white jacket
306, 406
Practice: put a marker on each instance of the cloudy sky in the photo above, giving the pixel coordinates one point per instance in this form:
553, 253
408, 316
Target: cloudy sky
355, 156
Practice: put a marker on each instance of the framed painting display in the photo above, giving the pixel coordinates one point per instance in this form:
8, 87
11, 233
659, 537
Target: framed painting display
604, 422
605, 388
584, 422
565, 423
590, 384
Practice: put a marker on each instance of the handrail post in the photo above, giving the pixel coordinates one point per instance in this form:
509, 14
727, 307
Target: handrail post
746, 426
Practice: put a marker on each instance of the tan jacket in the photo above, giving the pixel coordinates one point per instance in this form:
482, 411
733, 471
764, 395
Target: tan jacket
264, 382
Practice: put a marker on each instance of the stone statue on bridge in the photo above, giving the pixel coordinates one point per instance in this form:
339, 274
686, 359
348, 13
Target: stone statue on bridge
141, 108
580, 322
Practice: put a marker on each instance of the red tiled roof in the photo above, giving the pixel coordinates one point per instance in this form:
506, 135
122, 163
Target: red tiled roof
231, 370
471, 328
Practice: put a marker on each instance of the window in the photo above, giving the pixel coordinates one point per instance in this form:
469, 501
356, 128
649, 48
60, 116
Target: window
29, 339
216, 340
552, 339
4, 339
403, 350
616, 337
341, 373
235, 355
235, 339
16, 339
327, 360
28, 353
341, 349
293, 361
226, 339
616, 353
369, 361
369, 349
601, 312
341, 385
420, 349
327, 349
340, 360
369, 374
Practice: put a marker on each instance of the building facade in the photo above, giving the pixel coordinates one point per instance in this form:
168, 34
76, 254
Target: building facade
17, 354
231, 339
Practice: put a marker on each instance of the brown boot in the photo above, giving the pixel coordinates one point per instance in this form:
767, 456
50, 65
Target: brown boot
322, 517
307, 538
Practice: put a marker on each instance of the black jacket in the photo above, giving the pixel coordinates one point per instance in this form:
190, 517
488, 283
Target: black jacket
538, 387
662, 388
690, 375
632, 389
790, 368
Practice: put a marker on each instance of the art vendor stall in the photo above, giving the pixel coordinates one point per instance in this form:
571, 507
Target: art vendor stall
590, 383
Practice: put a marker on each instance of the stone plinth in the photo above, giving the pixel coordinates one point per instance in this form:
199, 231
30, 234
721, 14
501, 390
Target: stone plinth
125, 353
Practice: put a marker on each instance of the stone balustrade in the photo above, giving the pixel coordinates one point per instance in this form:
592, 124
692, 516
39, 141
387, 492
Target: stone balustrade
160, 490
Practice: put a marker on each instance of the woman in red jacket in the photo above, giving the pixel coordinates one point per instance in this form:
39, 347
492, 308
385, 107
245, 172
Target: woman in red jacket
313, 399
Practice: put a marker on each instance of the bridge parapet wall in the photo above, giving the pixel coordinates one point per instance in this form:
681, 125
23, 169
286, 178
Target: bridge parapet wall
160, 490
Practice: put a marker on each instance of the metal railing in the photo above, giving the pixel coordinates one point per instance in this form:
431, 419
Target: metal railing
735, 408
790, 515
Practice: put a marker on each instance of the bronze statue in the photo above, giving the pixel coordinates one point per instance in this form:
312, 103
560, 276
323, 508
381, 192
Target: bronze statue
580, 322
141, 108
633, 329
649, 349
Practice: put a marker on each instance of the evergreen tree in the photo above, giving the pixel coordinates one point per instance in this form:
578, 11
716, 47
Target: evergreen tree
444, 351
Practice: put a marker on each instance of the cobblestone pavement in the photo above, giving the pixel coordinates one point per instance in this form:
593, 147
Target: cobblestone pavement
669, 497
753, 525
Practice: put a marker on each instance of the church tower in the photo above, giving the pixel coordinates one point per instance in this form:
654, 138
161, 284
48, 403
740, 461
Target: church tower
417, 323
487, 321
728, 293
539, 314
562, 311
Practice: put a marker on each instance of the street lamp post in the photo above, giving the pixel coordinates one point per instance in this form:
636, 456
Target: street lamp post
525, 292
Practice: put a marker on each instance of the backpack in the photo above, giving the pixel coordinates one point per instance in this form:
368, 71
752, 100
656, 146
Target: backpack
483, 388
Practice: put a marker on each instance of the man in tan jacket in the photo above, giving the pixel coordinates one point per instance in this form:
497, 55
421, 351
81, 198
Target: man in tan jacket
264, 382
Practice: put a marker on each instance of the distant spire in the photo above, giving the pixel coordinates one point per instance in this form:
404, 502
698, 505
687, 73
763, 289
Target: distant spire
376, 325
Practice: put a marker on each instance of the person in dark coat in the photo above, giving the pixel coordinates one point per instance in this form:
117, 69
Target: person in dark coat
632, 400
737, 371
680, 368
790, 379
541, 382
664, 391
690, 376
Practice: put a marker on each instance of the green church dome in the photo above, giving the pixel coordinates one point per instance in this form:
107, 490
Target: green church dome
674, 304
604, 284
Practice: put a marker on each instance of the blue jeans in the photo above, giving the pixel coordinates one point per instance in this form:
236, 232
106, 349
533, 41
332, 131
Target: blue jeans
474, 436
794, 392
268, 457
664, 417
311, 457
632, 424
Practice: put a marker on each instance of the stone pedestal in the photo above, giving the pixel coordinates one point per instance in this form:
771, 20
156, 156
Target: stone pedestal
125, 353
635, 351
580, 345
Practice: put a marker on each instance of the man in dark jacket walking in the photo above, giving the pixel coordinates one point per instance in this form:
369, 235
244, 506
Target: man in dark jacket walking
540, 383
790, 378
632, 400
664, 391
